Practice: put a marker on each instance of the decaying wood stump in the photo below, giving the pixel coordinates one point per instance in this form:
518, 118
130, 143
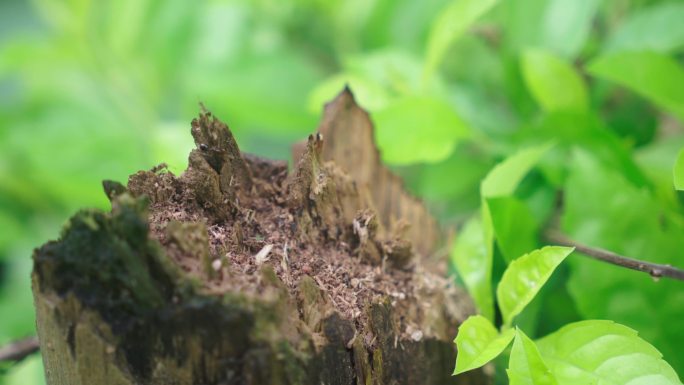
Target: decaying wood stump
240, 272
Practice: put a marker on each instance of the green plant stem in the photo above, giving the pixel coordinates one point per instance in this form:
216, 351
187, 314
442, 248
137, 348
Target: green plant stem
655, 270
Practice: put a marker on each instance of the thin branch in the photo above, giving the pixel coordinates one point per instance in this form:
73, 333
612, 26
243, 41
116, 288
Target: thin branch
655, 270
18, 350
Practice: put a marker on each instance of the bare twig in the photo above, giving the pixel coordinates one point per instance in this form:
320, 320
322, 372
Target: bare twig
18, 350
655, 270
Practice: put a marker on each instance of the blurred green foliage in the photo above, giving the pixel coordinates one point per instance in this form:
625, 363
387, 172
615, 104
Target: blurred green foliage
99, 89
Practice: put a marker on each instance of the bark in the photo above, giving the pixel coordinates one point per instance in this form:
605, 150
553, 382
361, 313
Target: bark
178, 283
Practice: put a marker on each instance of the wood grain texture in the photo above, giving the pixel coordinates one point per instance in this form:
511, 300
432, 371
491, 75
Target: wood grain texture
349, 143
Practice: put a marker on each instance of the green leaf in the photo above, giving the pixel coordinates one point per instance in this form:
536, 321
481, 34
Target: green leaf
367, 93
567, 25
559, 26
451, 23
16, 305
603, 209
657, 28
525, 276
515, 229
652, 75
505, 176
501, 181
553, 82
254, 76
604, 352
459, 195
657, 160
679, 171
28, 371
12, 228
585, 130
478, 342
396, 70
526, 366
418, 129
474, 266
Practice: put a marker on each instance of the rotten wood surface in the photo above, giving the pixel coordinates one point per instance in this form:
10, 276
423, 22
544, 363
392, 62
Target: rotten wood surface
239, 271
349, 143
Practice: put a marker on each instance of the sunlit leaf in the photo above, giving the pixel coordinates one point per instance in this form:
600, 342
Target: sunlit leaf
395, 70
502, 181
385, 26
367, 93
567, 25
679, 171
28, 371
452, 22
505, 176
64, 16
558, 26
418, 129
553, 82
171, 144
474, 266
655, 76
604, 352
526, 366
124, 23
478, 342
523, 21
525, 276
657, 28
488, 240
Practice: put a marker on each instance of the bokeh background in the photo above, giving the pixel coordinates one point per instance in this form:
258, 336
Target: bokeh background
95, 89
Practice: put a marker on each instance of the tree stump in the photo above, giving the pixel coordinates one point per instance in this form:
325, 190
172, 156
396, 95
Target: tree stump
240, 272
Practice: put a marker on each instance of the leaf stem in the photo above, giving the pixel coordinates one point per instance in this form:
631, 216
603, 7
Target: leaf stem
18, 350
655, 270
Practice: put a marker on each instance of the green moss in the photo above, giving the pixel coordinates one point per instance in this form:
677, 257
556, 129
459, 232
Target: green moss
107, 260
